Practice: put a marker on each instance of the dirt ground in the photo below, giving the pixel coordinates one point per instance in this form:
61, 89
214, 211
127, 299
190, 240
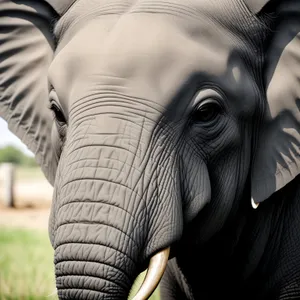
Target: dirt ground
25, 218
32, 199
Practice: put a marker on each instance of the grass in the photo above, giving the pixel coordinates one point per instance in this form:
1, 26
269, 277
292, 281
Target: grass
26, 266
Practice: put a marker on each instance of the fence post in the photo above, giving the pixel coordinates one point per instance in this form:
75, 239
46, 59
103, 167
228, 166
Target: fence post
9, 178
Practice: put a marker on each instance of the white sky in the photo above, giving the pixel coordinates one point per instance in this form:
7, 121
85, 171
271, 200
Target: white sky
8, 138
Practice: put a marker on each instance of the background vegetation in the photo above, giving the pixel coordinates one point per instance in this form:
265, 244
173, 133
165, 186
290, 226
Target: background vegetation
11, 154
26, 266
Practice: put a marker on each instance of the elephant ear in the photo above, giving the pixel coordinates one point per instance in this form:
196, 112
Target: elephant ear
61, 6
277, 158
255, 6
26, 52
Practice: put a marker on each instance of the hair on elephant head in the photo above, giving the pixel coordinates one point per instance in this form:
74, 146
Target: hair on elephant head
159, 123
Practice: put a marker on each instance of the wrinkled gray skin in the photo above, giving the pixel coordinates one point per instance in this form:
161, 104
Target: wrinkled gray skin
168, 118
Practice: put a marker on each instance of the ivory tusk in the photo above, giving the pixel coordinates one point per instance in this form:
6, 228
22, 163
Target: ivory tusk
254, 204
156, 269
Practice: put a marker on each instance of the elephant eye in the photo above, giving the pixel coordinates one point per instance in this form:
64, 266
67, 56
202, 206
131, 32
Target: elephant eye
207, 111
59, 116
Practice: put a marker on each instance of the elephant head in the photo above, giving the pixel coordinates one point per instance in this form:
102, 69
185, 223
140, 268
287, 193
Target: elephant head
147, 115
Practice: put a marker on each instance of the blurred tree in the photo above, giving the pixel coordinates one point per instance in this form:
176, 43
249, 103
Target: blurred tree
11, 154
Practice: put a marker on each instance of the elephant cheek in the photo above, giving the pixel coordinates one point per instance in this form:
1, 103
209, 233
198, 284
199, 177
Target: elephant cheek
196, 185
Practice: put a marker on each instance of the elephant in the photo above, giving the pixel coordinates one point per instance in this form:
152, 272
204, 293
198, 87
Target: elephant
170, 131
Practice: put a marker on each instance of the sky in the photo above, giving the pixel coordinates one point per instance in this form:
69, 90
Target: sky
8, 138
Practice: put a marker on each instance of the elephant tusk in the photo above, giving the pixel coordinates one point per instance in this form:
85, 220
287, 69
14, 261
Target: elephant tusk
254, 204
156, 269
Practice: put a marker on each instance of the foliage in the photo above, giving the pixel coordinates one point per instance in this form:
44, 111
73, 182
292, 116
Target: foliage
11, 154
26, 266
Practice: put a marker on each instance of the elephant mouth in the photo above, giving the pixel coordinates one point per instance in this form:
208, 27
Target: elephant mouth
156, 269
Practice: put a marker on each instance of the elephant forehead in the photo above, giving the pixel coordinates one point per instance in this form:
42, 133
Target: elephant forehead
147, 55
232, 13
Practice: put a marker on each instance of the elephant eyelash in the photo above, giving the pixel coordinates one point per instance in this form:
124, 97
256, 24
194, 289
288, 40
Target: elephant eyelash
205, 105
58, 114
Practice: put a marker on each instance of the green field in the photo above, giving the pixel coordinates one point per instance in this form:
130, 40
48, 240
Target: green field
26, 267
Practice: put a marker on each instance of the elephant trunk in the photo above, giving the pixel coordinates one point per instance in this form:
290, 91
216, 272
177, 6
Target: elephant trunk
108, 215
